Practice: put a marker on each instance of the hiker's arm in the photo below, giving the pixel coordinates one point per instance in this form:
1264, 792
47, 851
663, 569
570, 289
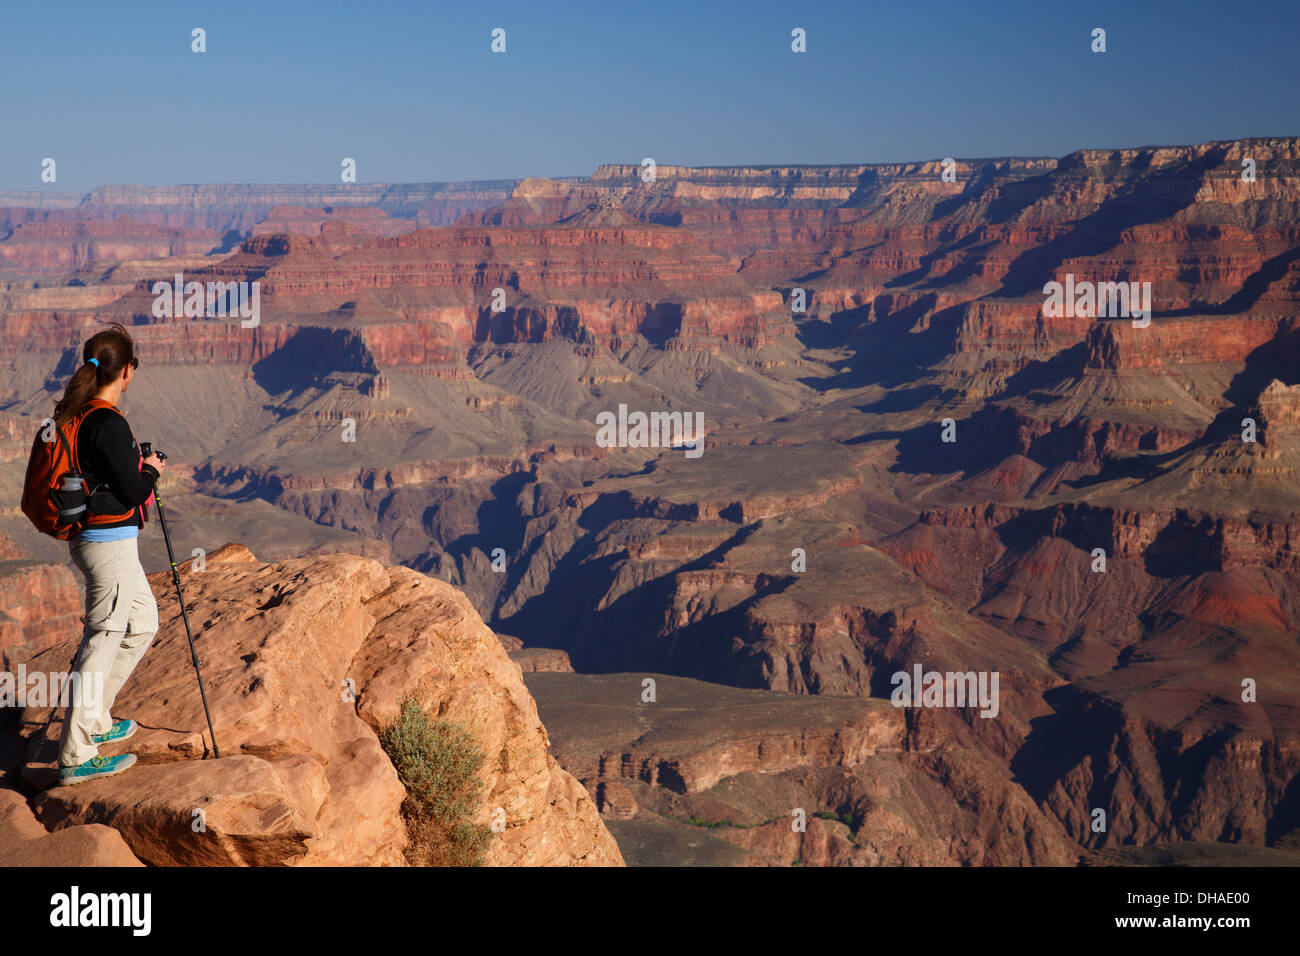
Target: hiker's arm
131, 482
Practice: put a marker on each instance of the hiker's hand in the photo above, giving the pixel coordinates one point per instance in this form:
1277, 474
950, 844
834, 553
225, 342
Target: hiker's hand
156, 463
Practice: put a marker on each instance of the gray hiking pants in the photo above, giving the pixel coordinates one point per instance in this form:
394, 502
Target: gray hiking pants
121, 621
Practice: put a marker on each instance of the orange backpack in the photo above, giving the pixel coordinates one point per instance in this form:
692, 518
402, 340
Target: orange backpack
56, 495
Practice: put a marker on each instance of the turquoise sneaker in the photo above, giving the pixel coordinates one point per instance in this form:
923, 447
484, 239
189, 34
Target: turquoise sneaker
121, 730
94, 768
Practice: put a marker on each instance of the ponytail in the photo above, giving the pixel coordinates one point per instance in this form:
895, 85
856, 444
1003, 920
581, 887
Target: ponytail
104, 356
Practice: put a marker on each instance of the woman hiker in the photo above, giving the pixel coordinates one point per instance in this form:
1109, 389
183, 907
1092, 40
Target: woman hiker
121, 613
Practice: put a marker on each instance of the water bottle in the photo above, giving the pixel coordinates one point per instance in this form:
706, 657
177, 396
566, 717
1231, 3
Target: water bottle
70, 497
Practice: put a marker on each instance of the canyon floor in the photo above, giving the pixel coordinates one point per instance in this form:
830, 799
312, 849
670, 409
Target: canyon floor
908, 460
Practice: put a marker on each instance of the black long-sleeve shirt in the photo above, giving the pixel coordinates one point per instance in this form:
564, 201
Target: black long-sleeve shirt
107, 452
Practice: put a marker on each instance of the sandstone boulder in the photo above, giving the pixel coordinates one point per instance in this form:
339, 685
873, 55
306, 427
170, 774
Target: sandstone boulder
24, 842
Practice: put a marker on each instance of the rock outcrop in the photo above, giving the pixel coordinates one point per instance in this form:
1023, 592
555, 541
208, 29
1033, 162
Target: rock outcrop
304, 662
24, 842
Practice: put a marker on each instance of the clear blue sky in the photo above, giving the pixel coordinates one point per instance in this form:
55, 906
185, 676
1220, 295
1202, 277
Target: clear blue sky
411, 90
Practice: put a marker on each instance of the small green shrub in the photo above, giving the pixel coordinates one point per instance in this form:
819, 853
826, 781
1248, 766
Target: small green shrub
438, 763
844, 818
696, 821
710, 824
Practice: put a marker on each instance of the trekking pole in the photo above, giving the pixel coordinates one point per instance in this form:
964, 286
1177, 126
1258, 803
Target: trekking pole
146, 449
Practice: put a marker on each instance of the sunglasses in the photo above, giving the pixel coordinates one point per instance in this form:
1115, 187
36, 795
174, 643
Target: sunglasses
135, 362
